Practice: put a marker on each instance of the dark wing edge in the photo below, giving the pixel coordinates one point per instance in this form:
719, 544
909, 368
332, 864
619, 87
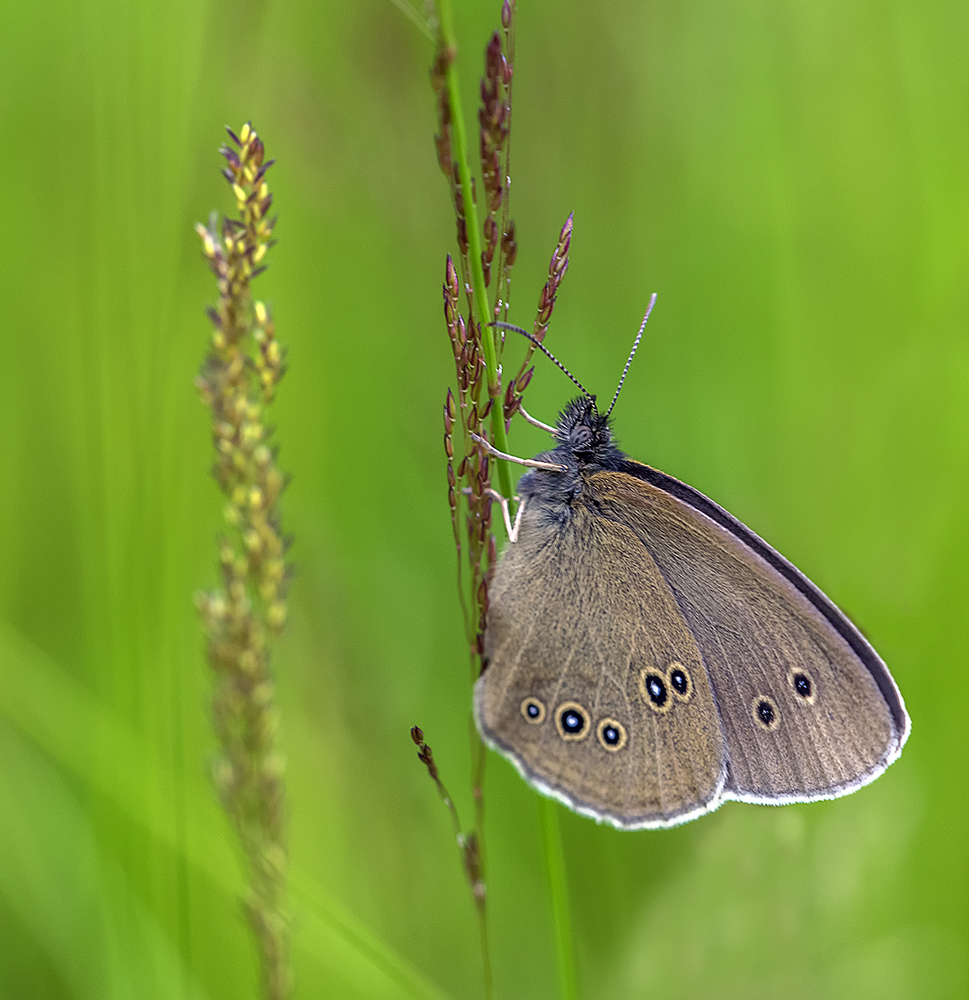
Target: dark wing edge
718, 798
832, 614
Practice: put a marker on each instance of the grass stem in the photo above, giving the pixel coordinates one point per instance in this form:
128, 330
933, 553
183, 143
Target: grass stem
459, 152
559, 891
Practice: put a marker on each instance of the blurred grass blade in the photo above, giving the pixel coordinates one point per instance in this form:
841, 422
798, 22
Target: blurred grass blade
330, 922
71, 895
60, 716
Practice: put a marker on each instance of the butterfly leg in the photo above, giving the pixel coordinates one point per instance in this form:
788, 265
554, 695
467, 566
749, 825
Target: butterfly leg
512, 529
530, 462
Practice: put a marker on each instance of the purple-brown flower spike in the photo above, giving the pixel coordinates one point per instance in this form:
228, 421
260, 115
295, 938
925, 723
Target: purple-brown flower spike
493, 119
557, 267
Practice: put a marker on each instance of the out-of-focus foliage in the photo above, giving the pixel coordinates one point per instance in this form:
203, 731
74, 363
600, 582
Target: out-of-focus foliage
793, 179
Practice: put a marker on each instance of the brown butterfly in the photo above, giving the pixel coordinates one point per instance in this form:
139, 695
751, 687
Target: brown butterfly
647, 656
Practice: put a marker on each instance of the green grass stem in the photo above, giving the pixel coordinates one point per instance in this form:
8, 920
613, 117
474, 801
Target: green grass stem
459, 153
559, 891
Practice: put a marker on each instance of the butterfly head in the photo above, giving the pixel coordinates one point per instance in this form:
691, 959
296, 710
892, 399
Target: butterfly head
583, 433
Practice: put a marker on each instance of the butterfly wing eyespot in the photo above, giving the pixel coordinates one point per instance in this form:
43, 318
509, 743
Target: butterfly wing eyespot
612, 735
572, 721
765, 713
803, 685
680, 681
654, 690
533, 711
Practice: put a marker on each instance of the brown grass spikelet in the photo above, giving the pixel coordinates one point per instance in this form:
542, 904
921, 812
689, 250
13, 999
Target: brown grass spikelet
557, 266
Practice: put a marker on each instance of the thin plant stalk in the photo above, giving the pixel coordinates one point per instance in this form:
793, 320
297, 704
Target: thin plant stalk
471, 366
238, 380
469, 846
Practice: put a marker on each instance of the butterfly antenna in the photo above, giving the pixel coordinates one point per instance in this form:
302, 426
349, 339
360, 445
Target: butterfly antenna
632, 353
548, 354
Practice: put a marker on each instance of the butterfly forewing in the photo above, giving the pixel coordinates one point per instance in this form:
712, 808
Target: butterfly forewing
804, 715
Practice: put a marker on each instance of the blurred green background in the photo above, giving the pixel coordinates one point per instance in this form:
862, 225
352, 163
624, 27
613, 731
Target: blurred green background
792, 178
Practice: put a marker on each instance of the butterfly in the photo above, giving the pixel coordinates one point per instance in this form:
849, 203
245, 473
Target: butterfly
647, 656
